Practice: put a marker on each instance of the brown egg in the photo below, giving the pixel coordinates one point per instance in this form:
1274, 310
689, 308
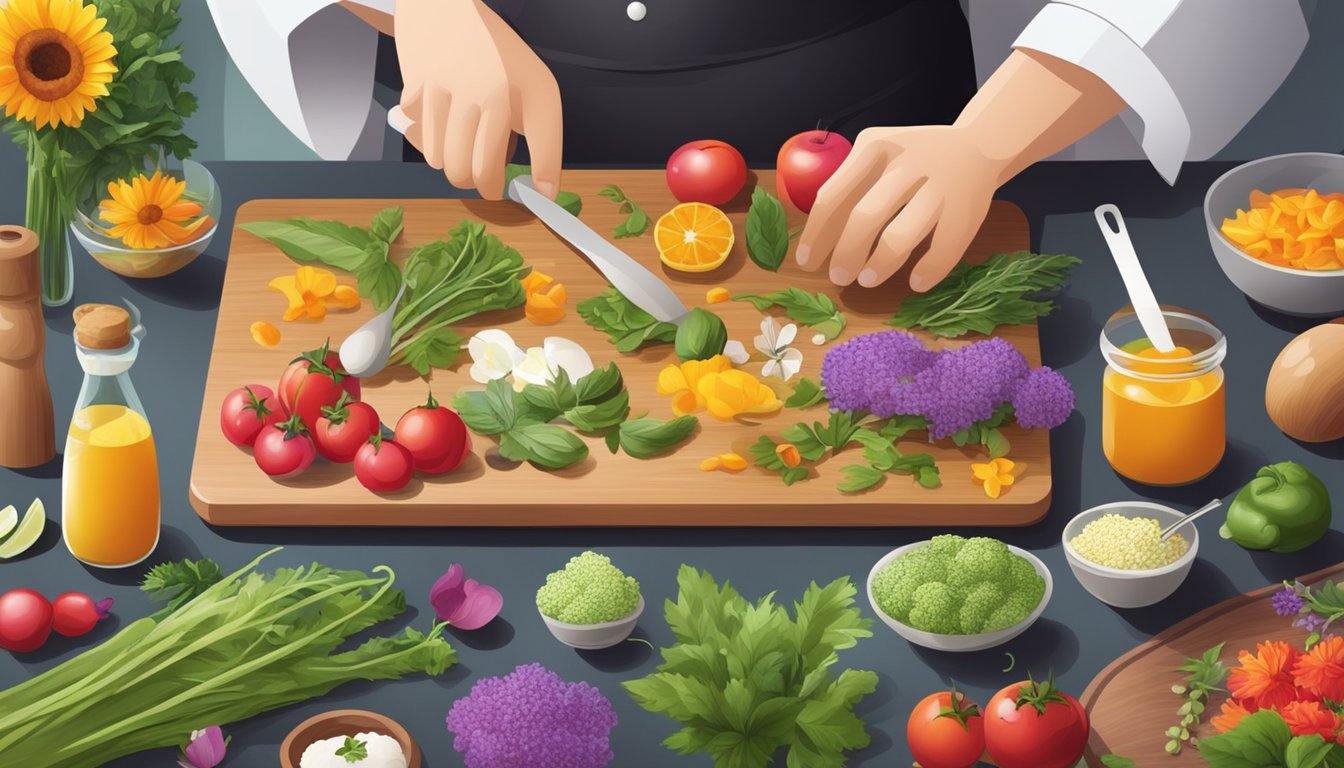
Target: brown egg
1305, 392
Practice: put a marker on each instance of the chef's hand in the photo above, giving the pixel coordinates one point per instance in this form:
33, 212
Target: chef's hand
470, 83
900, 186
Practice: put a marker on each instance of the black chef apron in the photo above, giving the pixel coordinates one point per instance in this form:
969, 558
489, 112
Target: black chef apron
749, 72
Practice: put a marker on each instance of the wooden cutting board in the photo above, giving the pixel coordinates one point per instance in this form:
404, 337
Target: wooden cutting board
604, 490
1130, 702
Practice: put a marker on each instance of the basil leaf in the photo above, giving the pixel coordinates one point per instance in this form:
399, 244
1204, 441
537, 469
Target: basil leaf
546, 445
806, 393
379, 282
928, 477
387, 224
626, 325
599, 416
700, 336
859, 478
439, 348
767, 230
598, 385
553, 398
325, 242
477, 413
646, 438
567, 200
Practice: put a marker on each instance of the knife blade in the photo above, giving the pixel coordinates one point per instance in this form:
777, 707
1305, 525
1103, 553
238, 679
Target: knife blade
642, 287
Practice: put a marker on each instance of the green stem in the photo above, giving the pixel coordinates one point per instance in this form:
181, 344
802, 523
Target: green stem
49, 213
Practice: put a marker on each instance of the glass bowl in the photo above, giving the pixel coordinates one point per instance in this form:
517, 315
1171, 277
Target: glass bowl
111, 252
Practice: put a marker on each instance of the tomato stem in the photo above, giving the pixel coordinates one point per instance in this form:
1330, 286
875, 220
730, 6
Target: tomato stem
962, 714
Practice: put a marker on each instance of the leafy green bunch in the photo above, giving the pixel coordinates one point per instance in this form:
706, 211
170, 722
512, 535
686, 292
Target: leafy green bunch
1263, 739
817, 440
746, 680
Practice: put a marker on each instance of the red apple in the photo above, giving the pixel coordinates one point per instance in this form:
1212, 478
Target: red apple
706, 171
805, 162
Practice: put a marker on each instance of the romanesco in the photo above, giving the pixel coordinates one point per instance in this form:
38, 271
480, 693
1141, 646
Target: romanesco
934, 609
588, 590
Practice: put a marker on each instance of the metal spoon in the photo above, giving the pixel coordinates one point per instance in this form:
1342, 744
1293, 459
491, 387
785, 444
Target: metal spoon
365, 351
1190, 518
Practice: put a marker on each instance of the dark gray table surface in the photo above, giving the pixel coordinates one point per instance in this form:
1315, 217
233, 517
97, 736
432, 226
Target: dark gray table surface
1076, 637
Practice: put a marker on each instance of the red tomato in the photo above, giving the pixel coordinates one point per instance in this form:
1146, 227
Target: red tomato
315, 380
75, 613
25, 620
383, 466
1034, 725
284, 450
706, 171
942, 734
805, 162
246, 410
435, 436
344, 428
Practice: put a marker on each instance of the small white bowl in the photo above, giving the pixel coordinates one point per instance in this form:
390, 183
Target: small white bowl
592, 637
1130, 589
960, 643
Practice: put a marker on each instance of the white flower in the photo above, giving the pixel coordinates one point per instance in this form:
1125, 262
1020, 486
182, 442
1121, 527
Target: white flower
540, 365
736, 352
493, 355
783, 361
819, 339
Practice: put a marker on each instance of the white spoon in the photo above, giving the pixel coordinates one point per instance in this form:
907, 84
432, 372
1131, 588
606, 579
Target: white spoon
1140, 292
365, 351
1190, 518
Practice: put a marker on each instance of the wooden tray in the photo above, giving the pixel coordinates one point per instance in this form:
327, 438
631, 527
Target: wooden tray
604, 490
1130, 703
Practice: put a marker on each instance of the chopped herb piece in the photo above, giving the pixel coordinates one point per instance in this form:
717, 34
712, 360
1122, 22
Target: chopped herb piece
815, 310
767, 230
1004, 290
646, 438
636, 221
806, 393
626, 325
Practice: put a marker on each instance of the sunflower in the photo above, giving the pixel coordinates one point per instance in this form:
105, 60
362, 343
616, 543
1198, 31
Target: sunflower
149, 213
55, 60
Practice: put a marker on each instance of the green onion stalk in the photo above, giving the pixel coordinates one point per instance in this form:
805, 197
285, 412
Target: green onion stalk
50, 211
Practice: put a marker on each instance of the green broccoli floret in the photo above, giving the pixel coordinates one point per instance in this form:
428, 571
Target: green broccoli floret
981, 601
947, 544
1022, 574
894, 586
589, 590
934, 609
1016, 607
980, 559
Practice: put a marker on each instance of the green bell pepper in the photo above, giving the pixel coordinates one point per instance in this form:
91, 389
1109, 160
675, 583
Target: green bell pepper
1284, 509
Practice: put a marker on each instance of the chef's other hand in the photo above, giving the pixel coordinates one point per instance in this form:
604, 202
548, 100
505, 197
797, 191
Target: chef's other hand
470, 83
900, 186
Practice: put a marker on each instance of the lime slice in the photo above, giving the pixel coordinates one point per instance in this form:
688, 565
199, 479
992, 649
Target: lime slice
28, 532
9, 518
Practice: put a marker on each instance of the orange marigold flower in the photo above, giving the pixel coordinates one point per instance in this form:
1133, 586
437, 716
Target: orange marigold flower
1265, 679
1321, 670
1305, 718
1229, 717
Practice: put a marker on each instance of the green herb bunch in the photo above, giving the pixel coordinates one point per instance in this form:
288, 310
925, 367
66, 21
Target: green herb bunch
815, 310
1204, 675
1007, 289
626, 325
876, 436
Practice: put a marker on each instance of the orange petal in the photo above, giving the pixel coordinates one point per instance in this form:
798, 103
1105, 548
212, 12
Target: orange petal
344, 297
265, 334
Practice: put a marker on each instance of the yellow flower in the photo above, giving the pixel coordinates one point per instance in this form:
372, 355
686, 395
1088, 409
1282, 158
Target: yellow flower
55, 60
149, 213
731, 393
681, 382
309, 291
995, 476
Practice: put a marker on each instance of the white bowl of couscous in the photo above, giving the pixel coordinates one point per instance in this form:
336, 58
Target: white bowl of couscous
1120, 560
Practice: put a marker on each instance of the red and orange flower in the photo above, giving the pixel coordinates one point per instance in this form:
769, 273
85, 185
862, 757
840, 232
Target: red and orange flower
1321, 670
1265, 678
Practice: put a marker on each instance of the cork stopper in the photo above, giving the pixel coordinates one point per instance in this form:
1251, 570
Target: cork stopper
20, 274
102, 326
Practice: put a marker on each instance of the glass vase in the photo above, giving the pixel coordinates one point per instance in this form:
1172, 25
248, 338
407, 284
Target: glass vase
49, 213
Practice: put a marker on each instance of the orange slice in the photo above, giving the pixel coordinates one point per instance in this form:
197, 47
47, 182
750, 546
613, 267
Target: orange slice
693, 237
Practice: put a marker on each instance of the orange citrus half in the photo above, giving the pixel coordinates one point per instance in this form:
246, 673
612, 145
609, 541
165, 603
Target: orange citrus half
694, 237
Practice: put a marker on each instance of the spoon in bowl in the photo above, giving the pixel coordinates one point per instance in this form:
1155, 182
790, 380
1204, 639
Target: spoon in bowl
1136, 284
365, 351
1190, 518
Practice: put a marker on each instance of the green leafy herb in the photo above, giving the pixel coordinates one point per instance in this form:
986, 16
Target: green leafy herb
636, 220
859, 477
250, 643
815, 440
353, 750
1204, 675
981, 297
882, 456
767, 230
900, 426
701, 335
546, 445
1264, 739
1115, 761
766, 455
599, 385
626, 325
552, 398
646, 438
567, 200
986, 432
815, 310
806, 393
746, 680
596, 417
177, 583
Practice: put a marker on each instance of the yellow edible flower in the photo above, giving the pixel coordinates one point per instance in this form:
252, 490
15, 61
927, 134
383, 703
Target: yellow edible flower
680, 381
149, 213
995, 476
731, 393
310, 290
728, 462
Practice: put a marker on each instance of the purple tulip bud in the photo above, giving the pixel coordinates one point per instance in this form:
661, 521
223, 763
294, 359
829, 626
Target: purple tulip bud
206, 749
464, 603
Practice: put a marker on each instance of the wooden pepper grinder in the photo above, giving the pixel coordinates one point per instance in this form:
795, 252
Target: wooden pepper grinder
27, 433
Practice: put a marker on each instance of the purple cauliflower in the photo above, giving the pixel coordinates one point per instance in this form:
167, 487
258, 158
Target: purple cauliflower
1043, 399
963, 386
862, 370
531, 718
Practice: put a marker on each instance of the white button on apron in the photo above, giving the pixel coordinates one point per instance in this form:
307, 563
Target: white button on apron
636, 11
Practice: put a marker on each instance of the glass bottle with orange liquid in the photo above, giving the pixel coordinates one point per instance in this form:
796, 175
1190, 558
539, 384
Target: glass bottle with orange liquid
1163, 415
110, 483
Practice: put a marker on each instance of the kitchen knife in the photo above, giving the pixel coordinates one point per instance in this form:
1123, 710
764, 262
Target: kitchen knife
642, 287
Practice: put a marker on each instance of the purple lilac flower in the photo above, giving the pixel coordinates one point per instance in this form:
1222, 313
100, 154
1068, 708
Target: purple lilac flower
1287, 602
531, 718
963, 386
1310, 622
864, 368
1043, 400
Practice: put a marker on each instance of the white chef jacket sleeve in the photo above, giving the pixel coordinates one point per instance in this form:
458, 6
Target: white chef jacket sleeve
1191, 72
312, 63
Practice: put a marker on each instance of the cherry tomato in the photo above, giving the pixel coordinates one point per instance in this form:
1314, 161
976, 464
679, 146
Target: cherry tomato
706, 171
944, 734
383, 466
314, 381
246, 410
1033, 725
25, 620
435, 436
284, 450
344, 428
75, 613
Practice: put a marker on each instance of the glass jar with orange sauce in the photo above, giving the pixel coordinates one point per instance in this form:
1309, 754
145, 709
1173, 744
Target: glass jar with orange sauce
1163, 415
